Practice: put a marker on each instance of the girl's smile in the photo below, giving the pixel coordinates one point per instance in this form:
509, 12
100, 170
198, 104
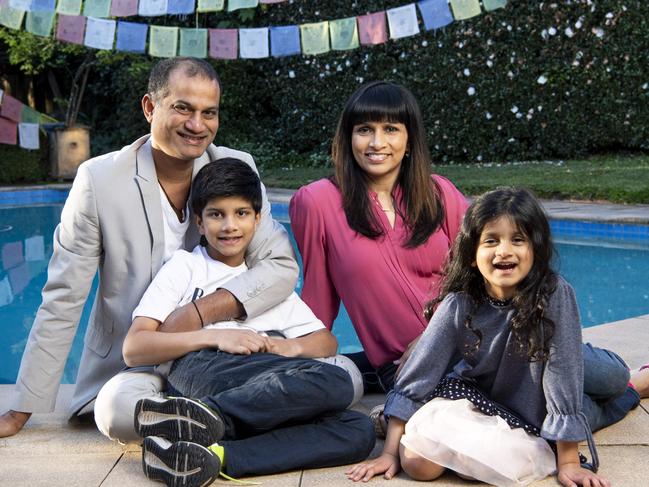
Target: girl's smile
504, 257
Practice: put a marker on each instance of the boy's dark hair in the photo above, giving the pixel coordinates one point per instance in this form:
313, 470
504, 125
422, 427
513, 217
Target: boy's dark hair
160, 73
223, 178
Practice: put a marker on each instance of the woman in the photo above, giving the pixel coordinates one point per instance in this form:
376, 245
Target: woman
377, 233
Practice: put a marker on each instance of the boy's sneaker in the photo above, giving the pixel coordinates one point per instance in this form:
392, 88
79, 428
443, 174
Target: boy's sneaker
178, 419
179, 464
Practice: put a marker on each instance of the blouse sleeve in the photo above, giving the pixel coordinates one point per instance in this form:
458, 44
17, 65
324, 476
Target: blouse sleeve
563, 376
455, 205
428, 362
309, 227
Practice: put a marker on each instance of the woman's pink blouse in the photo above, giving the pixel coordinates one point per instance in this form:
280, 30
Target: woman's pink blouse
383, 285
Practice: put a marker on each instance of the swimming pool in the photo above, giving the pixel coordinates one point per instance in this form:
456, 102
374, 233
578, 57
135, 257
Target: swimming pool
607, 264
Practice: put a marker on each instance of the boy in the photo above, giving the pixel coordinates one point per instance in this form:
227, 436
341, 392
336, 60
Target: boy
256, 385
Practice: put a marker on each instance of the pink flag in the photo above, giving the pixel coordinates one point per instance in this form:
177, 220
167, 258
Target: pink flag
19, 278
8, 131
372, 28
71, 28
12, 254
223, 43
11, 108
123, 8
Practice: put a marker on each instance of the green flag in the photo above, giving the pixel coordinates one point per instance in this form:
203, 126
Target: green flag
39, 23
465, 9
494, 4
163, 41
344, 34
29, 115
11, 17
69, 7
193, 43
210, 5
97, 8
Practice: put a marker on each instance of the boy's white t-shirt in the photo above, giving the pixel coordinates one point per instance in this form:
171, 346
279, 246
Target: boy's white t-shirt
190, 275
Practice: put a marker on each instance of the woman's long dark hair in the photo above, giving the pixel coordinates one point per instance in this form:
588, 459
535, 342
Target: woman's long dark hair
382, 101
531, 328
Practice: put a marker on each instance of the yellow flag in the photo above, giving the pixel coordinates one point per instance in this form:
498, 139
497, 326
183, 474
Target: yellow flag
163, 41
315, 37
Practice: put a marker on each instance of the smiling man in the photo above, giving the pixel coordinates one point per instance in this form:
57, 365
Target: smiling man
125, 216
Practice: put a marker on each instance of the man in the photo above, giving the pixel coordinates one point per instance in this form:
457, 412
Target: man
125, 215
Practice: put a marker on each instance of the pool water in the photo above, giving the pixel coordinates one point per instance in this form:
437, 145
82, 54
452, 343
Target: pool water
609, 276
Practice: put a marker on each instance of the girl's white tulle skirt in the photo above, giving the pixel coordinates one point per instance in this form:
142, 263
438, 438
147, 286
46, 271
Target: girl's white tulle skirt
454, 434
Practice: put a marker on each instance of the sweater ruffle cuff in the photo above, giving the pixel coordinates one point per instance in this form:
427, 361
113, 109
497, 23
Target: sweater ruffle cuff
563, 427
400, 406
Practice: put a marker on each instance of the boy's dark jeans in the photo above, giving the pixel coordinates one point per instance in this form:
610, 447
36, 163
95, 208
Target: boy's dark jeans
280, 413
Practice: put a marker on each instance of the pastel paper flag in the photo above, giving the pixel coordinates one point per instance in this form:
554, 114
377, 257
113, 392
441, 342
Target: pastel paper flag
19, 278
163, 41
35, 248
344, 34
11, 108
123, 8
372, 29
193, 43
71, 28
180, 7
239, 4
8, 131
39, 23
494, 4
152, 8
403, 21
29, 115
436, 13
315, 37
210, 5
69, 7
24, 5
4, 3
285, 40
100, 33
271, 1
11, 17
223, 43
131, 36
465, 9
12, 255
96, 8
6, 296
253, 43
28, 135
43, 5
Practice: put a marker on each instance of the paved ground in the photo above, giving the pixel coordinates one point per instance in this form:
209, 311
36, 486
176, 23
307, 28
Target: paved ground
50, 452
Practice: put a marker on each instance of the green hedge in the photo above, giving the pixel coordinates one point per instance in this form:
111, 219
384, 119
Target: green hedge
539, 90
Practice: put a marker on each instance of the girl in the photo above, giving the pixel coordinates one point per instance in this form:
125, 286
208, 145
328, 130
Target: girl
513, 323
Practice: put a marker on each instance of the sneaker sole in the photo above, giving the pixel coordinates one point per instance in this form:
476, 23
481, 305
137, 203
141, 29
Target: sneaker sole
178, 419
183, 464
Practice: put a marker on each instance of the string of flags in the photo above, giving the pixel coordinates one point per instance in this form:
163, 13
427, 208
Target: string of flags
19, 123
93, 28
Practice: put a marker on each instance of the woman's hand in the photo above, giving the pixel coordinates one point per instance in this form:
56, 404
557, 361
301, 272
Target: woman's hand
386, 464
573, 474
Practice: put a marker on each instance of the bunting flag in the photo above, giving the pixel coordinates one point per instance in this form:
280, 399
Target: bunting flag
12, 255
239, 4
193, 43
23, 5
435, 13
11, 108
29, 115
96, 8
39, 23
210, 5
71, 28
315, 38
28, 133
34, 248
8, 131
100, 33
465, 9
152, 8
372, 29
6, 296
131, 37
253, 43
70, 7
271, 1
163, 41
11, 17
43, 5
4, 3
344, 34
123, 8
180, 7
494, 4
223, 43
284, 40
403, 21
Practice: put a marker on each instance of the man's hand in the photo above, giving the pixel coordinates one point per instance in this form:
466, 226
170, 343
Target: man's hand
12, 422
240, 342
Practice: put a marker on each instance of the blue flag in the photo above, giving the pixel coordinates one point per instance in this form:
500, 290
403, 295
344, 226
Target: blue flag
436, 13
43, 5
131, 36
285, 40
180, 7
